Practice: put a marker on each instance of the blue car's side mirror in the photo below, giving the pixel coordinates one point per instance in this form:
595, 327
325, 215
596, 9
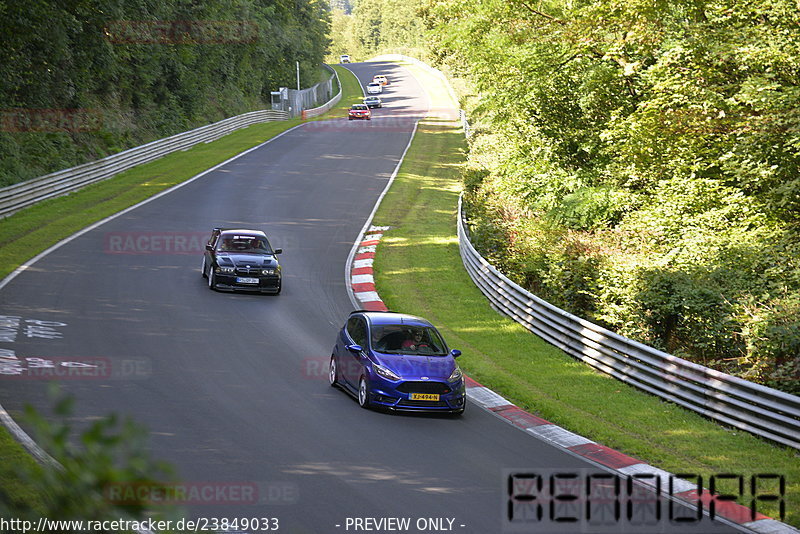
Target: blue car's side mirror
354, 348
455, 353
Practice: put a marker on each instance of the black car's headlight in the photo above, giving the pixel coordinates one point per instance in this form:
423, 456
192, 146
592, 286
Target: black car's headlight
226, 270
455, 375
269, 271
384, 372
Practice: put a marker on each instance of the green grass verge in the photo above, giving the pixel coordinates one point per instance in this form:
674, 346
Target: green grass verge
419, 271
31, 231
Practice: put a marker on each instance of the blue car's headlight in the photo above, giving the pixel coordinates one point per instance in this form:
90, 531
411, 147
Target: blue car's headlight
455, 375
384, 372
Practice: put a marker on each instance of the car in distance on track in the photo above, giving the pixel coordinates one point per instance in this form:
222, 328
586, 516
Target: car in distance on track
381, 79
398, 362
241, 260
373, 102
359, 111
344, 58
374, 88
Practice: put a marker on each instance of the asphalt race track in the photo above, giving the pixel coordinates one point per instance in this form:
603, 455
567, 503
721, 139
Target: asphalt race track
233, 387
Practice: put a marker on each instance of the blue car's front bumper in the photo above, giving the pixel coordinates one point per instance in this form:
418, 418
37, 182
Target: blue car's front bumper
397, 394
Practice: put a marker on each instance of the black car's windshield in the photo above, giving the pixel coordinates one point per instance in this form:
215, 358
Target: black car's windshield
244, 244
405, 339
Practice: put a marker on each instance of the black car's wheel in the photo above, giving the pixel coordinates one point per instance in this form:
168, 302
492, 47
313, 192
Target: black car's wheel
203, 268
363, 393
212, 280
333, 373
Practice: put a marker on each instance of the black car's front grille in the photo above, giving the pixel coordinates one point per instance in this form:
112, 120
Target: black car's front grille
424, 387
421, 404
243, 271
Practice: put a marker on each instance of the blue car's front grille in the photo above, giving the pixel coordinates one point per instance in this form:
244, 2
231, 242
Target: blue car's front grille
423, 387
421, 404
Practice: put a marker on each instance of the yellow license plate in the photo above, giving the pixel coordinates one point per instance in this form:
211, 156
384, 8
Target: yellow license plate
425, 396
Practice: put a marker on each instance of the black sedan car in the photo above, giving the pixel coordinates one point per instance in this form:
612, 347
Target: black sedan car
241, 260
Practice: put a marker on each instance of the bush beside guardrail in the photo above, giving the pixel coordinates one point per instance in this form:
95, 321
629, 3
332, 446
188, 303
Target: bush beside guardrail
757, 409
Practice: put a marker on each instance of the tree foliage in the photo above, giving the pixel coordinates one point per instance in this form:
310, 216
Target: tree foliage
91, 466
378, 26
637, 163
142, 69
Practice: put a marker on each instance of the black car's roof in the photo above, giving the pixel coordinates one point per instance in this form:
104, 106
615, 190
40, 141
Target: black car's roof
241, 231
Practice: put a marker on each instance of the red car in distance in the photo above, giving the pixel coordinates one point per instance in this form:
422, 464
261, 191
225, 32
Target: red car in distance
359, 111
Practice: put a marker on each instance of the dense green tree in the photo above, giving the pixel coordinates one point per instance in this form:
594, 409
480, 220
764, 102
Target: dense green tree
140, 70
378, 26
637, 162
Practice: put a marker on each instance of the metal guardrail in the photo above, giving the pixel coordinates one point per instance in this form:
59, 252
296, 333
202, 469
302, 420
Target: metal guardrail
757, 409
15, 197
316, 112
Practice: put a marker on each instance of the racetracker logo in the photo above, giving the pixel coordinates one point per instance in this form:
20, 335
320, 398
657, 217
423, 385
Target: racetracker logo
201, 493
172, 32
14, 367
319, 368
720, 122
384, 119
50, 120
155, 242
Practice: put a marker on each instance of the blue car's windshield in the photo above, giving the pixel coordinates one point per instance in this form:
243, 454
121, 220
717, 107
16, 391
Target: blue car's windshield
405, 339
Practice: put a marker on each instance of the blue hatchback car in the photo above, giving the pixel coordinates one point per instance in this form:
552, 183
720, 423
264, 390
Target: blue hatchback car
397, 361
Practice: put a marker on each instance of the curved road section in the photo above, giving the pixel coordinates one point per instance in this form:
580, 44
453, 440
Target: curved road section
232, 387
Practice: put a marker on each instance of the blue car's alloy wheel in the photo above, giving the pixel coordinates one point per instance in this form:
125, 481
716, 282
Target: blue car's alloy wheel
333, 377
363, 393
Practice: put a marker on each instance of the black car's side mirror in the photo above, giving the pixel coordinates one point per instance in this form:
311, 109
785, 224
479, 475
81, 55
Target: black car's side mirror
277, 251
354, 348
455, 353
209, 247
